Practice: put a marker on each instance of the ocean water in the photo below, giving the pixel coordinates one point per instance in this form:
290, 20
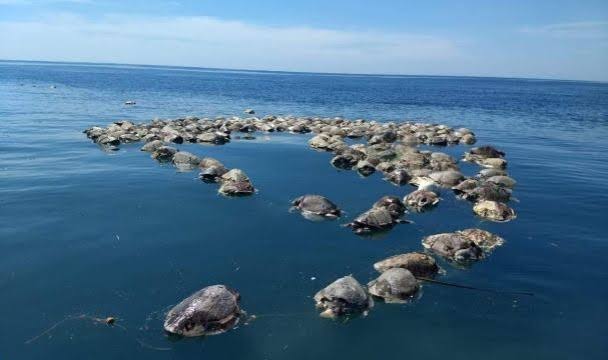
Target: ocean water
94, 233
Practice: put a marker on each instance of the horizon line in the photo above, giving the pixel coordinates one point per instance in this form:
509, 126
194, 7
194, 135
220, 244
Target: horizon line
287, 72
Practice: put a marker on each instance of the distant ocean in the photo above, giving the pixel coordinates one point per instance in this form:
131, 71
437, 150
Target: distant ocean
94, 233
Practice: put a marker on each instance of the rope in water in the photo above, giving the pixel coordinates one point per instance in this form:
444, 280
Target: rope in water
445, 283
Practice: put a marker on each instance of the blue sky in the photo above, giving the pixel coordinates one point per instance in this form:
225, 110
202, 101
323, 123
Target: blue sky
540, 39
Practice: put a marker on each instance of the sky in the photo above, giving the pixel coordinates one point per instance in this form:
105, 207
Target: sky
558, 39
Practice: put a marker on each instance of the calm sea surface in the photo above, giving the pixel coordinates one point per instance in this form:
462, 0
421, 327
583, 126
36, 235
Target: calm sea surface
87, 232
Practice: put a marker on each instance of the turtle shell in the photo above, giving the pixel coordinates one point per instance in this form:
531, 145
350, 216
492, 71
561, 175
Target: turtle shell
316, 204
211, 310
377, 218
394, 285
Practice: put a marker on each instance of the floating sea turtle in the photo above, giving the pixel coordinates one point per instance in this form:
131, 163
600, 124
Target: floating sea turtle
316, 205
345, 161
209, 311
391, 203
208, 161
417, 263
152, 145
486, 191
236, 188
374, 219
494, 211
394, 285
493, 163
488, 173
398, 176
453, 246
235, 183
343, 297
235, 175
164, 153
185, 160
447, 178
502, 180
365, 168
212, 173
421, 200
484, 239
486, 151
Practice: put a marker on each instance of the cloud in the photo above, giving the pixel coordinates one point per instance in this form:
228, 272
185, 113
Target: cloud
572, 30
212, 42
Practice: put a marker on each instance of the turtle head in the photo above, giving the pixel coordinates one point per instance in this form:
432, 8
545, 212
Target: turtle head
297, 201
184, 324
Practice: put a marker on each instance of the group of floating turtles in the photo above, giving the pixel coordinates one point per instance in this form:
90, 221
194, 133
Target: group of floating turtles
389, 148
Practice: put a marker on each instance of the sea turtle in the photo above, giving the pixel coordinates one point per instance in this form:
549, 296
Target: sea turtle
152, 145
235, 175
398, 176
365, 168
218, 138
345, 161
453, 246
316, 205
394, 285
212, 173
235, 183
418, 264
502, 180
465, 186
185, 160
494, 211
487, 191
374, 219
208, 162
421, 200
447, 178
164, 153
486, 151
391, 203
344, 296
484, 239
236, 188
209, 311
488, 173
493, 163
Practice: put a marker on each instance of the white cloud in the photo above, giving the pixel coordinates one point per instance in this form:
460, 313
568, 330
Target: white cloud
574, 30
217, 43
212, 42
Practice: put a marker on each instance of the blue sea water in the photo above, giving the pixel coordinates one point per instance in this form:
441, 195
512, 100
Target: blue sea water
88, 232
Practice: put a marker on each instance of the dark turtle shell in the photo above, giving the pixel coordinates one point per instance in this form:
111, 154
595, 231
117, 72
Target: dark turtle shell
394, 285
391, 203
487, 151
211, 310
316, 204
373, 220
342, 297
453, 246
417, 263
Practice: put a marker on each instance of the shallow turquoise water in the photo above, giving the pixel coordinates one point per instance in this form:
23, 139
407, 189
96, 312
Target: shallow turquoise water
90, 232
